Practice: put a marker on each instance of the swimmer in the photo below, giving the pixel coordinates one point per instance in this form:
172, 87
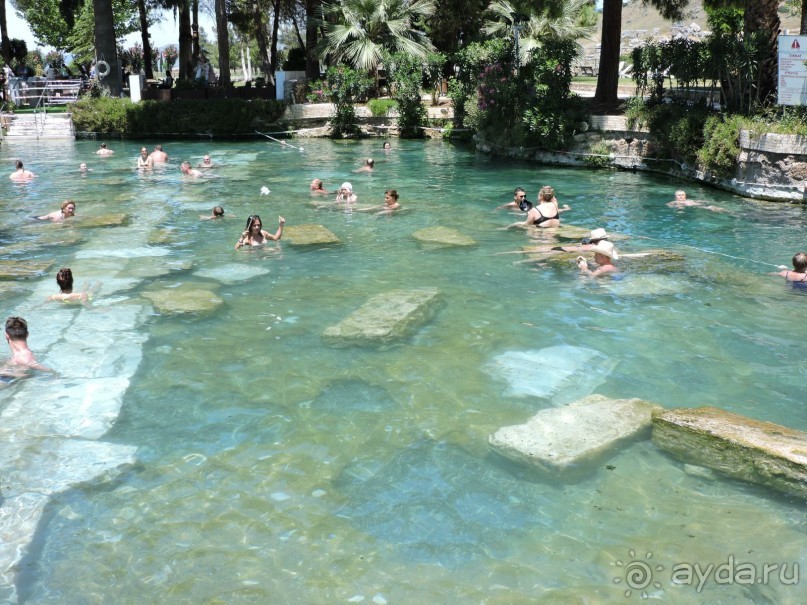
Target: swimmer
799, 273
216, 213
67, 210
546, 213
206, 163
345, 194
681, 201
389, 206
158, 156
317, 187
17, 338
21, 174
254, 235
65, 280
519, 202
604, 254
368, 166
104, 151
186, 169
387, 146
83, 167
144, 162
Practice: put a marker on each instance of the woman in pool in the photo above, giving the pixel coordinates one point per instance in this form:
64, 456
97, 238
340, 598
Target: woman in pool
254, 235
799, 273
546, 212
67, 210
345, 194
144, 162
389, 206
65, 280
317, 187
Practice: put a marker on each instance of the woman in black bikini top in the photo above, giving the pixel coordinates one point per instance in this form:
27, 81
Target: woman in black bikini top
546, 203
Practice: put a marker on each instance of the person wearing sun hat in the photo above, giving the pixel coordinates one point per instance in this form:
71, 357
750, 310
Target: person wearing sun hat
604, 255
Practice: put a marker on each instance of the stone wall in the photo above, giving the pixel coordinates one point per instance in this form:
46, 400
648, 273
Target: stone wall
769, 167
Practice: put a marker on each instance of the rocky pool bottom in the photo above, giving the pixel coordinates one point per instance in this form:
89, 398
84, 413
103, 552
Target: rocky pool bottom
210, 438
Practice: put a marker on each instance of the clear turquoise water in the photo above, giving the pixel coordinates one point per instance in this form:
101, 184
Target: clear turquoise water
273, 467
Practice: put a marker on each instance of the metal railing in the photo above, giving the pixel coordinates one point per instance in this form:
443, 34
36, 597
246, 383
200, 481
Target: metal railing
40, 92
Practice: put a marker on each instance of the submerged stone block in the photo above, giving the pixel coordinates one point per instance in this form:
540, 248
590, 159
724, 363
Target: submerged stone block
385, 317
186, 298
105, 220
443, 236
232, 273
309, 235
752, 450
562, 438
21, 269
563, 372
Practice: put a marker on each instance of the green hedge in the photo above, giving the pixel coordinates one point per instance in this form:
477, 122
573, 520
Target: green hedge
219, 117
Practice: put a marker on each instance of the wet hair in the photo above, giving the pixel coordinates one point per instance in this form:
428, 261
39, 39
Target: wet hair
518, 190
682, 192
66, 203
392, 193
103, 145
800, 262
18, 164
316, 184
65, 280
386, 145
218, 211
17, 328
184, 165
251, 219
158, 147
546, 194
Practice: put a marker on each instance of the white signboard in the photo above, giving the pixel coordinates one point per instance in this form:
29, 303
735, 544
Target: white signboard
792, 70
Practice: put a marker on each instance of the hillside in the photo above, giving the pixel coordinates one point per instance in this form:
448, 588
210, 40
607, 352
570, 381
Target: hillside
635, 16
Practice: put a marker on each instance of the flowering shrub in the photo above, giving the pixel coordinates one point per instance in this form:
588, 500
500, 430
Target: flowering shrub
317, 92
406, 75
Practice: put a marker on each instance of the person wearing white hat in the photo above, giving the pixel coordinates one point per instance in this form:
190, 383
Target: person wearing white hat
345, 194
604, 255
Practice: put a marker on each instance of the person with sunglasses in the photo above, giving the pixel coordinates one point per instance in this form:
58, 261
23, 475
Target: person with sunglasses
254, 235
519, 202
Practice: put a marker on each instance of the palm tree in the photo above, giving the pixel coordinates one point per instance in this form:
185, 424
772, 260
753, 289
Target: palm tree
570, 21
360, 32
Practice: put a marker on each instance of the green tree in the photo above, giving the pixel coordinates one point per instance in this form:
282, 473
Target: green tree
608, 77
568, 20
361, 32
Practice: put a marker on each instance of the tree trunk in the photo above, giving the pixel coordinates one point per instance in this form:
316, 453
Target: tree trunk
608, 78
185, 42
106, 48
197, 44
5, 43
762, 16
261, 38
144, 30
273, 51
803, 29
311, 59
223, 36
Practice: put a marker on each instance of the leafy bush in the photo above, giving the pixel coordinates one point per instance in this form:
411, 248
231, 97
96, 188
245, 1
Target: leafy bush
721, 144
104, 115
600, 155
678, 129
380, 107
345, 87
405, 73
220, 117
